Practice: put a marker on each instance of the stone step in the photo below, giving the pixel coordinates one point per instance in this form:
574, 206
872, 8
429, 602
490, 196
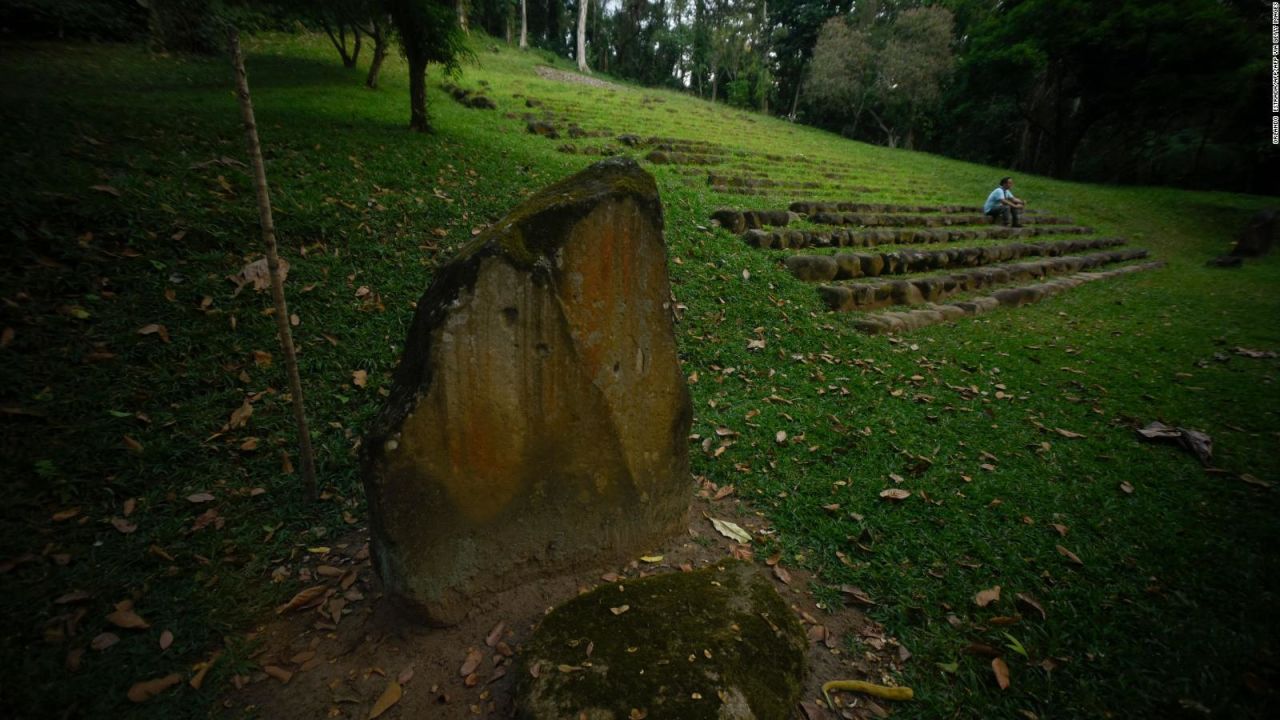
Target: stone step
848, 266
798, 239
811, 207
918, 220
932, 314
740, 221
872, 296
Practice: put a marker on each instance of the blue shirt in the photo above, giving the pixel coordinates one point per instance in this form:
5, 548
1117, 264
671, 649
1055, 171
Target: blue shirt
993, 200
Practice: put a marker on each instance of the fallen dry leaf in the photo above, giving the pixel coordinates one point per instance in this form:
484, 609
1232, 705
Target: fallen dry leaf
731, 530
895, 494
1067, 433
856, 594
813, 711
782, 574
986, 597
620, 609
104, 641
495, 634
240, 416
202, 669
302, 598
155, 329
1126, 487
166, 639
1069, 555
474, 658
1031, 602
258, 275
1001, 671
125, 617
200, 497
360, 378
389, 697
279, 673
74, 596
147, 689
123, 525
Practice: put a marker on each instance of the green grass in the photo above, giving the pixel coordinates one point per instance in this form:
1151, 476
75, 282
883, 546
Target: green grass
1172, 605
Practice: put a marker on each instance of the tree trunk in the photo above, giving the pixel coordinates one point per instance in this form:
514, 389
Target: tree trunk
582, 37
795, 102
339, 41
379, 54
715, 80
305, 452
418, 96
462, 16
764, 57
889, 137
524, 24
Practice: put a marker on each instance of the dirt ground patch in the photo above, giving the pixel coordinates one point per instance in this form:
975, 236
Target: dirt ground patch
311, 666
568, 77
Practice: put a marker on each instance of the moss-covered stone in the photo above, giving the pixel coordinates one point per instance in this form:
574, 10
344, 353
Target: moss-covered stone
716, 644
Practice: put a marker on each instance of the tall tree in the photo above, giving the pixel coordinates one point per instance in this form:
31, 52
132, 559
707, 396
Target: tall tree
378, 28
890, 66
524, 24
340, 19
428, 32
582, 36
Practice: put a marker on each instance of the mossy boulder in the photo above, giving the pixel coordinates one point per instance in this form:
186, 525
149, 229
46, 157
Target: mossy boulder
715, 644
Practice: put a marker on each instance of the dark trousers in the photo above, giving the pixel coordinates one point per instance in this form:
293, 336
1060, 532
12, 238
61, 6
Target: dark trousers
1003, 213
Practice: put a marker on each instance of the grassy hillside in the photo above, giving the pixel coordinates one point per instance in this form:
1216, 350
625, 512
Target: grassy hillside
126, 206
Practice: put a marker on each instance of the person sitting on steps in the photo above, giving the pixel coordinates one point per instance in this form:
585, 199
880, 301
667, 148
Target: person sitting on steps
1001, 205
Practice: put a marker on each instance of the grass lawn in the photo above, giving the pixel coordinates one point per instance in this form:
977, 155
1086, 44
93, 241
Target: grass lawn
126, 206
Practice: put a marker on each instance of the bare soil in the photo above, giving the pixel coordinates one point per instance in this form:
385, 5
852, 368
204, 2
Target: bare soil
314, 667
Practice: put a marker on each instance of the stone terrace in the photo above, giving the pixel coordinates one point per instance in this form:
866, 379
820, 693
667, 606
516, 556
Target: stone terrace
928, 276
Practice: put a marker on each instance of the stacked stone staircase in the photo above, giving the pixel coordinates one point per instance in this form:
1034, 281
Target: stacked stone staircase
913, 288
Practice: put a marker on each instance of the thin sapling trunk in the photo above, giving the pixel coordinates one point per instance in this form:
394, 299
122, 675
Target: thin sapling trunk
273, 265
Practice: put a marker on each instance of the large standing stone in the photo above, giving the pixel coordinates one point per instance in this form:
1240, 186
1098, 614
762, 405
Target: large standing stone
539, 420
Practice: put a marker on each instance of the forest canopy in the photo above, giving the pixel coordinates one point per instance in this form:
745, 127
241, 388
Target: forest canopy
1148, 92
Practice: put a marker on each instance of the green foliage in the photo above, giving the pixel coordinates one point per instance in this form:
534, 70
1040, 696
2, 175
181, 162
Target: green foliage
428, 31
89, 19
1106, 90
891, 67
